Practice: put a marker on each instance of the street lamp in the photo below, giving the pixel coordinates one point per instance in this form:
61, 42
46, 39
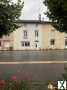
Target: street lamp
50, 86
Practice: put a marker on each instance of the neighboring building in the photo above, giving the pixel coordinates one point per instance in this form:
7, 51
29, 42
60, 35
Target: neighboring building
6, 42
34, 35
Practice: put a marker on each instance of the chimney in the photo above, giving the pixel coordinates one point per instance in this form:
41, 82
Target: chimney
39, 17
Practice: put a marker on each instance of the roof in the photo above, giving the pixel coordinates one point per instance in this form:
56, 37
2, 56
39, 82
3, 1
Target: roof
33, 21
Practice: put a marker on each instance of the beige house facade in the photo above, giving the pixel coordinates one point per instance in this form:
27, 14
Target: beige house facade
6, 42
34, 35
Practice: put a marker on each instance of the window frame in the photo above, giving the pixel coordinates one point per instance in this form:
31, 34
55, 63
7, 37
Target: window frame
36, 33
66, 41
25, 34
25, 43
52, 42
0, 43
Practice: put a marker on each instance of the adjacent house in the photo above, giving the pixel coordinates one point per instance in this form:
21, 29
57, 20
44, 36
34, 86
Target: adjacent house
6, 42
34, 35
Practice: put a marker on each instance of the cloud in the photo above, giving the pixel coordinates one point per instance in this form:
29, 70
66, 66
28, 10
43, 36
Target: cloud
32, 8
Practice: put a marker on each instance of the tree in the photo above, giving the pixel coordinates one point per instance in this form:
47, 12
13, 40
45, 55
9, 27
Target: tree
57, 13
9, 12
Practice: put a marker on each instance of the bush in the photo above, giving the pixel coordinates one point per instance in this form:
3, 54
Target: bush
14, 84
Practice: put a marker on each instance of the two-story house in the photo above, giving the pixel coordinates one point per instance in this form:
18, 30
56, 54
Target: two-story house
34, 35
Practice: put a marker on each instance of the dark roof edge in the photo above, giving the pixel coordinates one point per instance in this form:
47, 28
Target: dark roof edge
32, 21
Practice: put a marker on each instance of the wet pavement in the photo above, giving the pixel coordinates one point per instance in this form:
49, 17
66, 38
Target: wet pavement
34, 72
49, 55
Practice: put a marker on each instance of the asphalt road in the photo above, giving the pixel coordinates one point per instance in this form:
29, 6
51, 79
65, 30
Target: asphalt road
34, 72
49, 55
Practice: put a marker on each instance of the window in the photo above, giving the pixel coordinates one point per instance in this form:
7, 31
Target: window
0, 43
52, 34
52, 30
36, 24
36, 33
25, 34
22, 43
25, 43
25, 25
66, 42
28, 43
36, 41
52, 42
36, 45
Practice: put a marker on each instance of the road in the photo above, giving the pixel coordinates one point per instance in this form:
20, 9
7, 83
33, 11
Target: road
34, 72
36, 66
49, 55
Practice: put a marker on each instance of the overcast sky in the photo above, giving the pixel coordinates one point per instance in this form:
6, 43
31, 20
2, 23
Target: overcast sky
32, 9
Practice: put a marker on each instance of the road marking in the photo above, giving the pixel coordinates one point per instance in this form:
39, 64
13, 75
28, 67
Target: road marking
35, 62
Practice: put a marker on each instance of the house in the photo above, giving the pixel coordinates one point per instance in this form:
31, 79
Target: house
34, 35
38, 35
6, 42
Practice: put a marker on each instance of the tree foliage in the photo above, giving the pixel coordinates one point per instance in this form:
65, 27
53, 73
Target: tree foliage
57, 13
9, 12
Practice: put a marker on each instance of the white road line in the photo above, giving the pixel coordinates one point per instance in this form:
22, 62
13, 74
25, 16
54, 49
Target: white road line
35, 62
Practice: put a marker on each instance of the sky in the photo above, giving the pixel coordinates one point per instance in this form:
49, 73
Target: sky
32, 9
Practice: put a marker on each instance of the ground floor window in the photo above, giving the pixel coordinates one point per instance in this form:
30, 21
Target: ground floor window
6, 44
25, 43
52, 42
65, 41
0, 43
36, 45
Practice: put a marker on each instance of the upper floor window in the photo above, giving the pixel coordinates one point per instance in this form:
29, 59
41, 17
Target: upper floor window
52, 33
36, 33
24, 25
25, 34
52, 30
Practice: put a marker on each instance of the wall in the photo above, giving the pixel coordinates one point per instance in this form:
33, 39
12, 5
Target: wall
18, 37
44, 37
